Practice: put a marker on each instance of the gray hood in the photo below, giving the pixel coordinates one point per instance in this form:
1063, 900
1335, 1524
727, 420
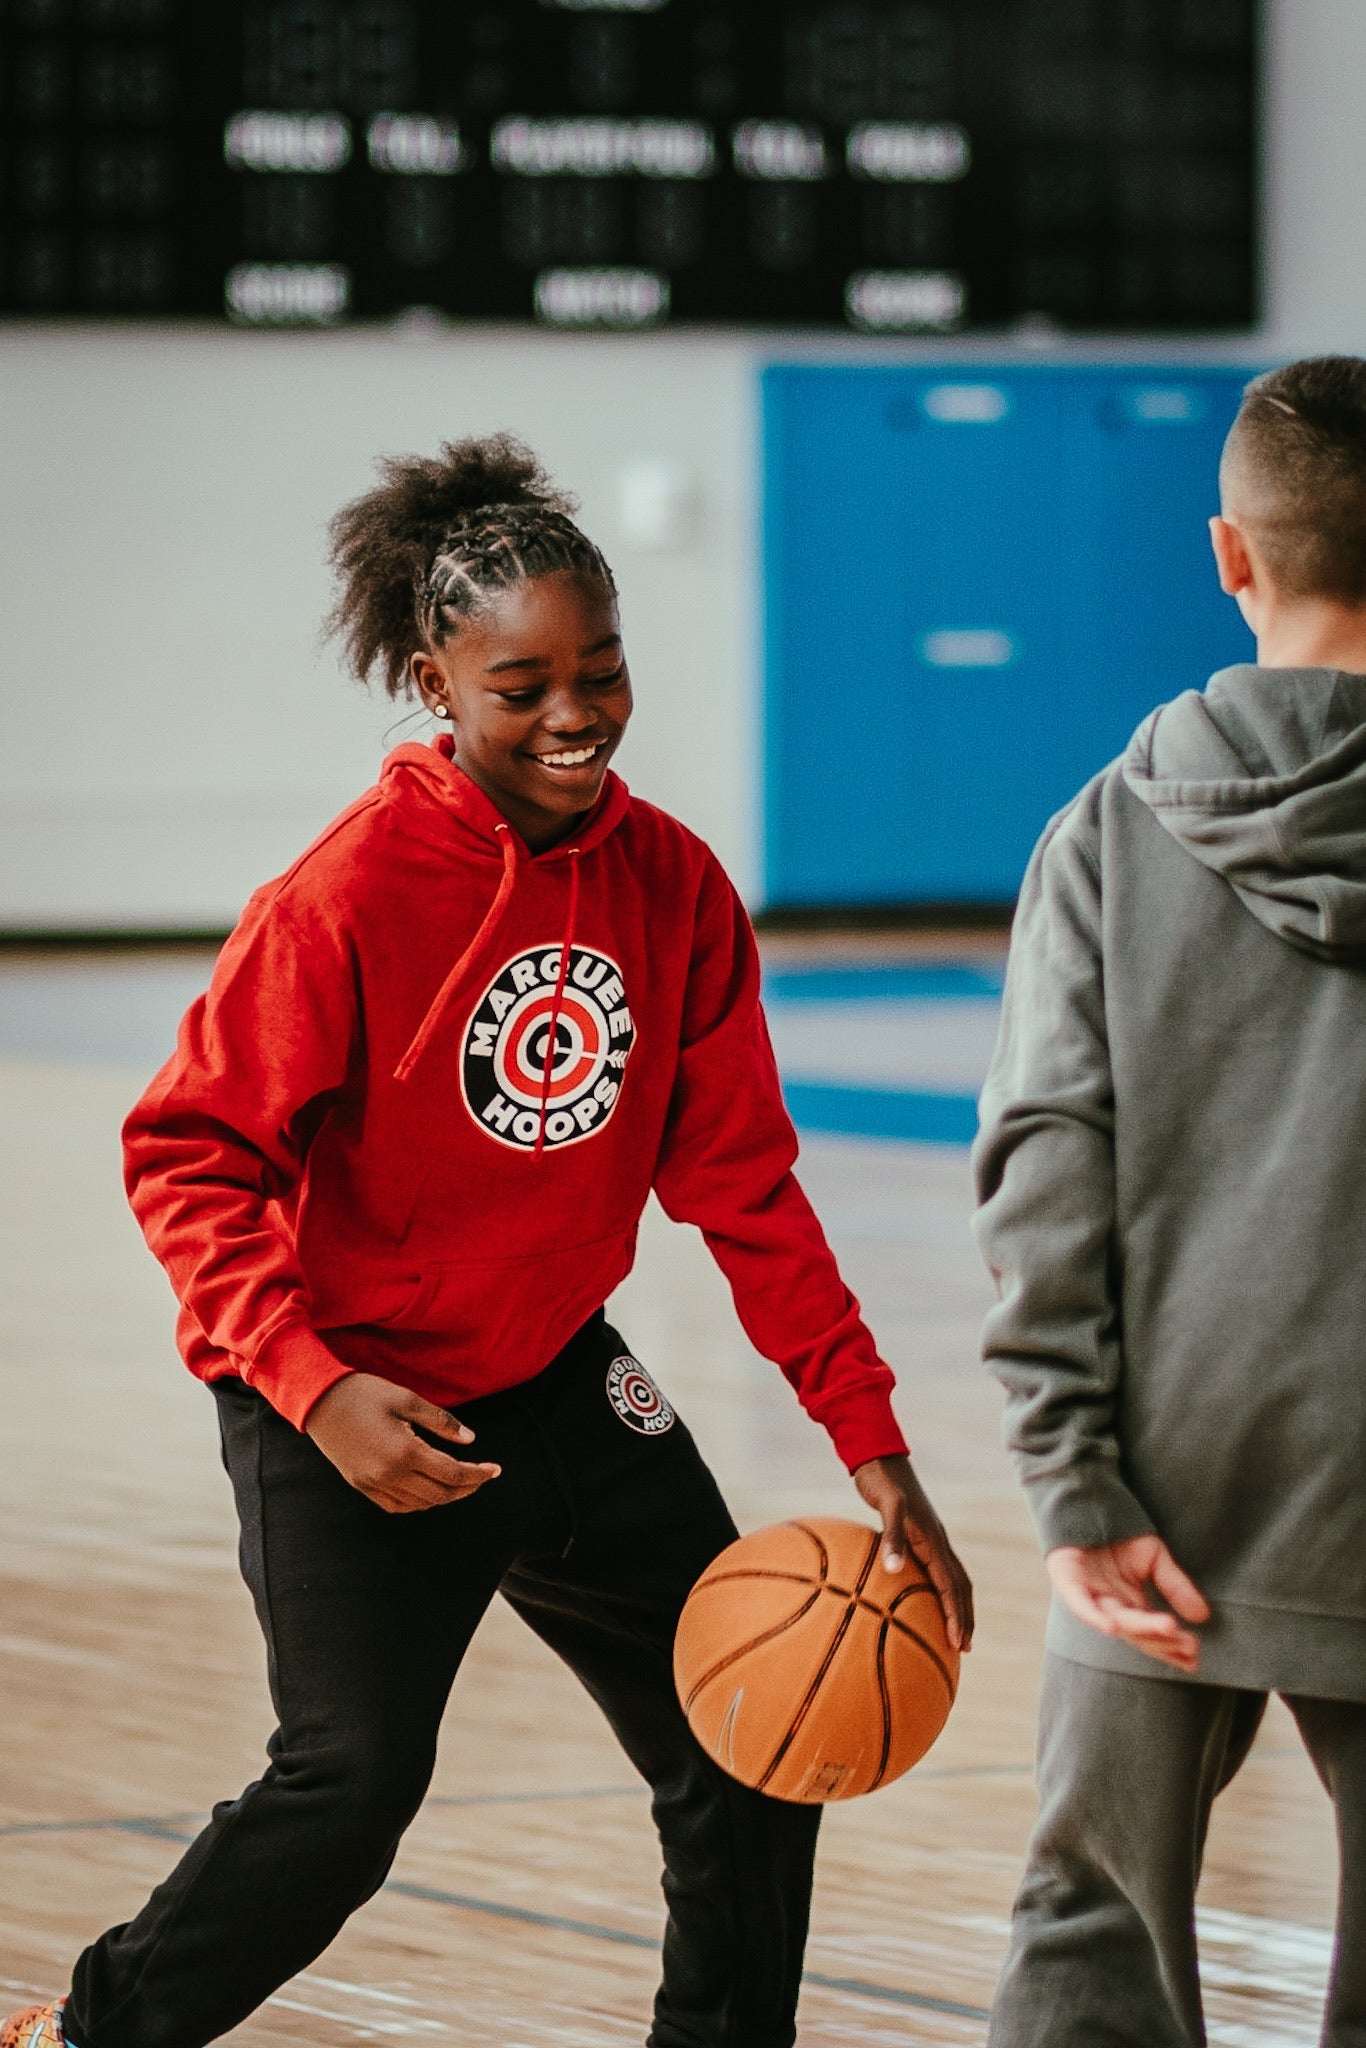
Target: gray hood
1262, 777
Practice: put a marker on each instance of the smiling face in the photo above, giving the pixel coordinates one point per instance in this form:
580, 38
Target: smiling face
538, 695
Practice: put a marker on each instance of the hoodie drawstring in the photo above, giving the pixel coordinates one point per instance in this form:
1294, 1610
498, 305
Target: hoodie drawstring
492, 918
547, 1073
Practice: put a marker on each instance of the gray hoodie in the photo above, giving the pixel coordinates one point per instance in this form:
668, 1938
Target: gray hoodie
1172, 1171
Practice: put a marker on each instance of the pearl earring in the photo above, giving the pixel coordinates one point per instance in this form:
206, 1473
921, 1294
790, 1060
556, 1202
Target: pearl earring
441, 711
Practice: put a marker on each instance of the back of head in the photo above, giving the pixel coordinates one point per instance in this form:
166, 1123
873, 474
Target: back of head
1294, 476
438, 536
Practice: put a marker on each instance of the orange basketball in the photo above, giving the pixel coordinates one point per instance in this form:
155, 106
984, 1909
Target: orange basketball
807, 1670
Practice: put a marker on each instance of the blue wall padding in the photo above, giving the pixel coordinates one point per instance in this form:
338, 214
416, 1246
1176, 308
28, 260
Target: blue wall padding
977, 582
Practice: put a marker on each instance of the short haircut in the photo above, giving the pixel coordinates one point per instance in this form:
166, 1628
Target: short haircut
1294, 473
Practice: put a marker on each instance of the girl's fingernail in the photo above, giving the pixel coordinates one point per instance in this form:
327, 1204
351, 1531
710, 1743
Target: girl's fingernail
893, 1561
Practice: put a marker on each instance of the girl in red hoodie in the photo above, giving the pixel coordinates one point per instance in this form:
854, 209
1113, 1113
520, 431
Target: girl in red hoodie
394, 1169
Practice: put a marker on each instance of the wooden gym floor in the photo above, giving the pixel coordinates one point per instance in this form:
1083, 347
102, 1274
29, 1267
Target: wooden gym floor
524, 1908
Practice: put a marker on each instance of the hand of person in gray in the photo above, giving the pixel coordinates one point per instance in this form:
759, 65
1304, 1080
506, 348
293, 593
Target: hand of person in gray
1172, 1176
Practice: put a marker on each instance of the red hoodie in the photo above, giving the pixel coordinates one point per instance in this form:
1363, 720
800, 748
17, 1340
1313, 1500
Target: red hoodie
364, 1157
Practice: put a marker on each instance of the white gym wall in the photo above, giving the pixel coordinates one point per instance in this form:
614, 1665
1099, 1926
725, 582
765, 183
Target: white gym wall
170, 730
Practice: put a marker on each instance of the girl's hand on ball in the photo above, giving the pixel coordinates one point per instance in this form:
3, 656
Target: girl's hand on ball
909, 1523
366, 1427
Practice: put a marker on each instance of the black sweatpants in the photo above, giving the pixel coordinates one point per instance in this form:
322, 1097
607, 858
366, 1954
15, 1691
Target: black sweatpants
594, 1533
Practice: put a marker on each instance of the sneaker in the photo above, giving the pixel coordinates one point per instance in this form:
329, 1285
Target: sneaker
37, 2026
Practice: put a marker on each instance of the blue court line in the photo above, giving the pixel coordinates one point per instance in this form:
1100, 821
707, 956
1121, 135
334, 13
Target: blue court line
159, 1827
945, 981
910, 1114
592, 1930
168, 1829
533, 1798
920, 2000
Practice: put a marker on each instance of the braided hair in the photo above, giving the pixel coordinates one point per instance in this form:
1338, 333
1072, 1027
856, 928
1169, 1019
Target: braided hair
435, 539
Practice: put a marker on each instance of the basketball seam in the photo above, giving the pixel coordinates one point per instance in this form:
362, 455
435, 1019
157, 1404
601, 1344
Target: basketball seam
757, 1572
767, 1636
819, 1542
840, 1633
920, 1586
840, 1592
755, 1643
886, 1699
889, 1612
940, 1666
770, 1571
905, 1628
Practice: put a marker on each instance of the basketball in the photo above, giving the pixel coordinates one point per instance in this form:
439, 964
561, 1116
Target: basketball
808, 1671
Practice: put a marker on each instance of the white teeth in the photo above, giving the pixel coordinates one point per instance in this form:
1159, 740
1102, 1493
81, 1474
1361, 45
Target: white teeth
569, 760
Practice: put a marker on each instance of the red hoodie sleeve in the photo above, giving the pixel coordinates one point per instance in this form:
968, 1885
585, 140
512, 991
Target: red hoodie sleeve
726, 1165
217, 1143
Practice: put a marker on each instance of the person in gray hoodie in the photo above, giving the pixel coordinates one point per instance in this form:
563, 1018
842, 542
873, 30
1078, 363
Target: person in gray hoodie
1172, 1176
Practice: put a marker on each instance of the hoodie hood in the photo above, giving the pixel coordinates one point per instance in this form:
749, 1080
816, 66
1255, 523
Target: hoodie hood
442, 798
1262, 778
434, 792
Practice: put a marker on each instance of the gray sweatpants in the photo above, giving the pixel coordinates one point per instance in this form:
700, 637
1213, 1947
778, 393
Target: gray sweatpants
1102, 1951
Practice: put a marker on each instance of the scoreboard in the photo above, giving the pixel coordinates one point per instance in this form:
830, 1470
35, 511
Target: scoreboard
890, 166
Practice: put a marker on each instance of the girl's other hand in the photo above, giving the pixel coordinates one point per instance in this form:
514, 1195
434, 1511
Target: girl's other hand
366, 1427
909, 1523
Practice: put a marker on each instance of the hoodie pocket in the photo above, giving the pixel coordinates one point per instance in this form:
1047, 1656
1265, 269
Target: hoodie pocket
492, 1307
368, 1300
477, 1307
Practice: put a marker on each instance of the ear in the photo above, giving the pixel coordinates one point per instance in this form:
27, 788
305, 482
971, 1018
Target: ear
1231, 556
427, 678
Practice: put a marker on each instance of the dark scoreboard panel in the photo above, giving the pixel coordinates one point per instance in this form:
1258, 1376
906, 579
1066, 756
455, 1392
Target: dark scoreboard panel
895, 166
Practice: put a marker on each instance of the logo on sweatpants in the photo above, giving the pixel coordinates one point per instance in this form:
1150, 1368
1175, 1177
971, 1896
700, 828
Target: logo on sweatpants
636, 1398
507, 1043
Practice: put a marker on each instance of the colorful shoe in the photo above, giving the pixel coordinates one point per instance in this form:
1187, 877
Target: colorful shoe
38, 2026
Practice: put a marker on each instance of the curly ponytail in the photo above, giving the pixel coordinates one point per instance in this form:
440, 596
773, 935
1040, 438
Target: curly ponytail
420, 552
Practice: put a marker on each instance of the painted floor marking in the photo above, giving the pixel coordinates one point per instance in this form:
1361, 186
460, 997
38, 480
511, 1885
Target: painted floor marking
905, 1115
916, 981
171, 1829
592, 1930
1280, 1966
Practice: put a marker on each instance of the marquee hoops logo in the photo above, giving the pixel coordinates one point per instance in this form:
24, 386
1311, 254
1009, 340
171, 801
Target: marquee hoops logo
636, 1398
502, 1062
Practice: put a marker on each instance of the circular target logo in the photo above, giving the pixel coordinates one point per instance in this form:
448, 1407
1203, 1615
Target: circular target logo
636, 1398
508, 1043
